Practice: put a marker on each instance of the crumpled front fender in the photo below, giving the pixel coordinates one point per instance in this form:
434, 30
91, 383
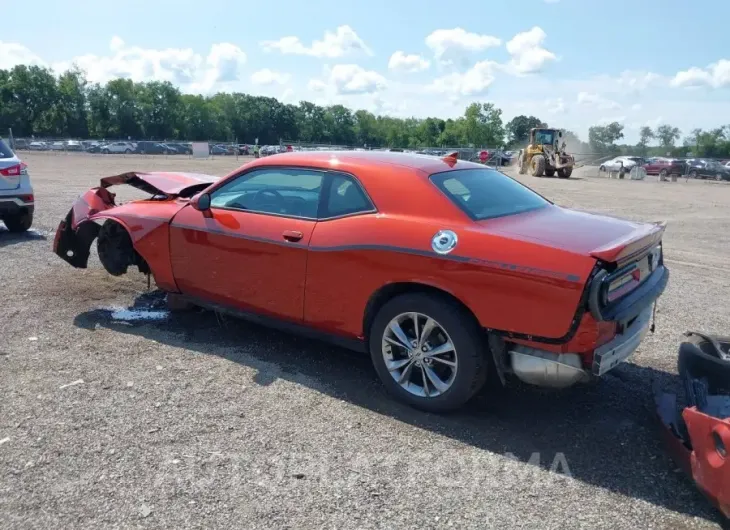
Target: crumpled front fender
76, 232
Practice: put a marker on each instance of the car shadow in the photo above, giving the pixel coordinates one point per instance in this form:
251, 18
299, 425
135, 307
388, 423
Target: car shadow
607, 431
8, 238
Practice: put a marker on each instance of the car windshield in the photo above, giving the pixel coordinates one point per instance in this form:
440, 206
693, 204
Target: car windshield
544, 137
5, 151
485, 193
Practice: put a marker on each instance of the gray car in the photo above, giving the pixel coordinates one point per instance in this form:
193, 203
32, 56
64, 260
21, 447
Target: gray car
16, 193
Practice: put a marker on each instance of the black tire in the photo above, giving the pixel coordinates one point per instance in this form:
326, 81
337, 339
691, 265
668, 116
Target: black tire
19, 222
565, 172
697, 360
549, 172
115, 248
663, 174
601, 169
537, 166
465, 333
718, 177
693, 174
127, 151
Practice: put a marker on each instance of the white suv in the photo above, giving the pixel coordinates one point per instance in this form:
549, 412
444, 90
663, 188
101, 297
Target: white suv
119, 147
16, 193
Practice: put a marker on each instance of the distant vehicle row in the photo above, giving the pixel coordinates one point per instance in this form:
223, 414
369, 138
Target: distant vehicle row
663, 167
121, 147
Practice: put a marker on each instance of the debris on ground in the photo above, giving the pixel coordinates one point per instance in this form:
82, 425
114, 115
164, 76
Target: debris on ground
73, 383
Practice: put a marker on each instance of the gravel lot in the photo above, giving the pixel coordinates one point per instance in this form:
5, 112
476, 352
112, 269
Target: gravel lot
197, 421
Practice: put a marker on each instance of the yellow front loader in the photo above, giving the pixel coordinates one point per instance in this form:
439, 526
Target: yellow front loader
545, 155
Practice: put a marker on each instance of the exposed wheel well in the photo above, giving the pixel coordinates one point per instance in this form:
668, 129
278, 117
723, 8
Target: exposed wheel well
115, 253
390, 291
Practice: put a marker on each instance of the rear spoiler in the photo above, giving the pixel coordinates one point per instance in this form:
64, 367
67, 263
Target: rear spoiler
622, 250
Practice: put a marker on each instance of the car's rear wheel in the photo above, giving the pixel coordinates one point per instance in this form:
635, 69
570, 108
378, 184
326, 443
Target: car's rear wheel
693, 174
428, 351
18, 222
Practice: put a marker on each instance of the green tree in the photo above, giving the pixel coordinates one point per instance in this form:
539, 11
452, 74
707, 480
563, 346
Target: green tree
518, 129
603, 138
667, 135
483, 125
645, 136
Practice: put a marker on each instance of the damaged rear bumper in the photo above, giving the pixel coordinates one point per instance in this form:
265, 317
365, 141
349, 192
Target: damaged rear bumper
547, 369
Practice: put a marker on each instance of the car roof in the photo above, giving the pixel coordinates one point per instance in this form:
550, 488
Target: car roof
351, 160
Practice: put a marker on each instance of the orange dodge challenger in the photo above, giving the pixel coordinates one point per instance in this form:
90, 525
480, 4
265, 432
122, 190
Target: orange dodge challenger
441, 269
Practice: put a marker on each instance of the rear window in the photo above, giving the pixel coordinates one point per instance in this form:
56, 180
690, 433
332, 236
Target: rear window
485, 193
5, 151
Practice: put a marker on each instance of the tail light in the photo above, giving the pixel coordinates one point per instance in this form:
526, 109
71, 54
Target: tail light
15, 171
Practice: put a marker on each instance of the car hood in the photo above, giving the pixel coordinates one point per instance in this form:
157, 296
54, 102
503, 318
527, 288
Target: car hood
166, 183
600, 236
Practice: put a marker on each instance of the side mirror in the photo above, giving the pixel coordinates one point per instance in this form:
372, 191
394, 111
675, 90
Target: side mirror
201, 202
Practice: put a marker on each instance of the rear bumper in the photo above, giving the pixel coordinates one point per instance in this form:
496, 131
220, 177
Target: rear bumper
15, 206
548, 369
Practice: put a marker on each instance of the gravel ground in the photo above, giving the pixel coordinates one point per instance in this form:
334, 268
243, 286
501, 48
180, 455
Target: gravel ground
196, 421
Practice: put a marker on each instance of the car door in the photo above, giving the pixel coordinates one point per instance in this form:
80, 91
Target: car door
249, 250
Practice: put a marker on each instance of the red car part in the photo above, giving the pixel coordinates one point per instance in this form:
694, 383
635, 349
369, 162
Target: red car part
699, 437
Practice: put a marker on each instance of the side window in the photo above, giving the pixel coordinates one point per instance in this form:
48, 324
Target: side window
346, 197
282, 191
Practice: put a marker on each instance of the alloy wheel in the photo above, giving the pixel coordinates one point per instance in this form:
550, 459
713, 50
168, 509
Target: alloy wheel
419, 355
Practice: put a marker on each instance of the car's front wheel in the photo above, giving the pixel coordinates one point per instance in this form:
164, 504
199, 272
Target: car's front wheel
18, 222
428, 351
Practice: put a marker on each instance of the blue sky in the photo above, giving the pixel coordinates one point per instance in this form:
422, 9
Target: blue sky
572, 63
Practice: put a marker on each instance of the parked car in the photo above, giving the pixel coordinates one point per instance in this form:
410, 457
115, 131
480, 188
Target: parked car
73, 145
615, 164
58, 146
474, 264
664, 167
155, 148
218, 150
20, 144
180, 148
17, 201
708, 169
118, 147
38, 146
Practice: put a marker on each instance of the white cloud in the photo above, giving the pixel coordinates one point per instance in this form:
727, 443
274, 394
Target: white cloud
343, 41
551, 1
555, 106
636, 106
402, 62
12, 54
528, 54
473, 82
450, 45
636, 81
606, 121
348, 79
716, 75
270, 77
180, 66
597, 101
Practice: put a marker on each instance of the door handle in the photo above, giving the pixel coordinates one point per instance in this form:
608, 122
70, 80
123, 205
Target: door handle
292, 235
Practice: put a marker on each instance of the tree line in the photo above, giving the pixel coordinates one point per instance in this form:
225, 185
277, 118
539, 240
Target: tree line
36, 102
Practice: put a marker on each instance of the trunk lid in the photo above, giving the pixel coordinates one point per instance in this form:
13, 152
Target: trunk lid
602, 237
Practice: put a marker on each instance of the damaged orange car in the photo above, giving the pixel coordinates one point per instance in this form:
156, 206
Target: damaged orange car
441, 269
